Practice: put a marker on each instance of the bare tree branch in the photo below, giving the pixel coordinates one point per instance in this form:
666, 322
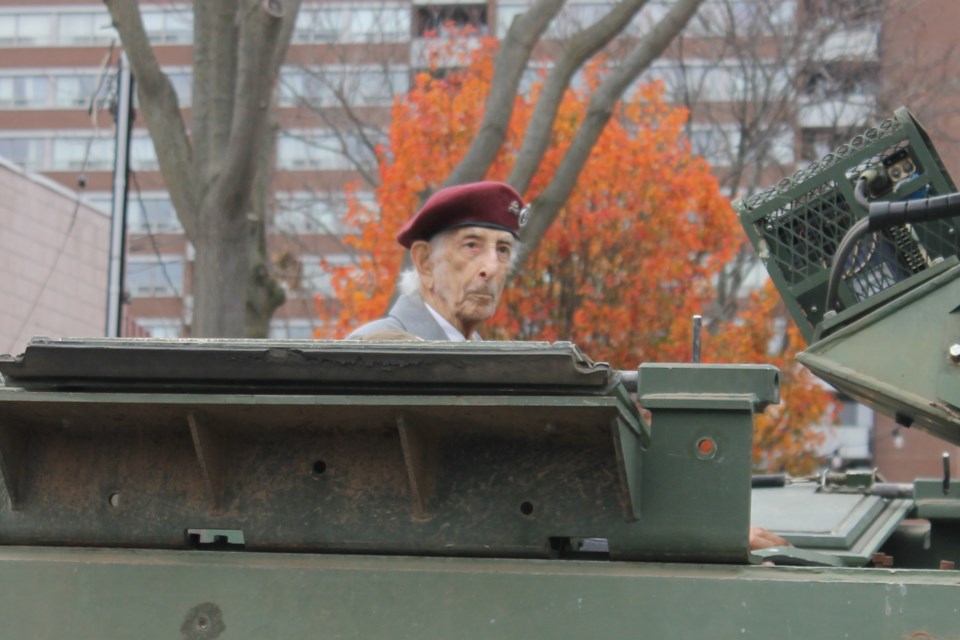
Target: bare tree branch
581, 47
291, 9
515, 50
256, 74
158, 102
358, 127
547, 205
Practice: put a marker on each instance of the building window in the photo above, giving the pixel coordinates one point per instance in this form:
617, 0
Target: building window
152, 214
154, 277
29, 153
76, 90
353, 25
291, 328
336, 86
377, 24
24, 91
88, 154
317, 25
310, 213
298, 152
85, 28
436, 19
721, 81
143, 155
25, 29
61, 90
719, 18
322, 150
378, 88
170, 26
852, 12
161, 327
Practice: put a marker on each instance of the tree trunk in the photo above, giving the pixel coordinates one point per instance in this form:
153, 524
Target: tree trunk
264, 295
239, 46
220, 273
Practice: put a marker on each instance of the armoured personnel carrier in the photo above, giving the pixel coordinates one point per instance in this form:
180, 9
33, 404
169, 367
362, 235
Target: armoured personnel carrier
250, 489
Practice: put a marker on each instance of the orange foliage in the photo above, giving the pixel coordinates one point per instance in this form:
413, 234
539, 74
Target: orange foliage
782, 439
631, 257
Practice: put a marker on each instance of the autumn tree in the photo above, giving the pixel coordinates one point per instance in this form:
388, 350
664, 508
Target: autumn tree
553, 32
217, 166
631, 257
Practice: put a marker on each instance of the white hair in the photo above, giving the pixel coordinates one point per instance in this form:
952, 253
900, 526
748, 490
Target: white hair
409, 282
410, 278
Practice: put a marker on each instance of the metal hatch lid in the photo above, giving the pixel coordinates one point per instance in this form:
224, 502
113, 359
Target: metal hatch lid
847, 525
291, 366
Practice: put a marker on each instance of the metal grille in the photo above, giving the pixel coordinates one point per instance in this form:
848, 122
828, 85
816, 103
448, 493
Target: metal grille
797, 224
803, 234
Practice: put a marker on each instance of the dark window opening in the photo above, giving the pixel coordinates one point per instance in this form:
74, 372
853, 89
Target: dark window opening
440, 18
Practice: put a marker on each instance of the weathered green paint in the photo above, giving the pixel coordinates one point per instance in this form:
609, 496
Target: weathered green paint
694, 404
896, 358
934, 502
95, 594
850, 526
476, 473
445, 502
708, 386
298, 366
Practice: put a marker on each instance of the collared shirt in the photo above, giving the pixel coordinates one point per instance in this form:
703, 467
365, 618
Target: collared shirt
453, 334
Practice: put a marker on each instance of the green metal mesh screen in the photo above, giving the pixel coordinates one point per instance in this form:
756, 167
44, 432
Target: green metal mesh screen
796, 225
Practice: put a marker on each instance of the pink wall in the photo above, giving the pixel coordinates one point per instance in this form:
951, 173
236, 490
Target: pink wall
53, 261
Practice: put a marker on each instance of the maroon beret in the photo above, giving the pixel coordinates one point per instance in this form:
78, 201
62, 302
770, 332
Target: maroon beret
479, 204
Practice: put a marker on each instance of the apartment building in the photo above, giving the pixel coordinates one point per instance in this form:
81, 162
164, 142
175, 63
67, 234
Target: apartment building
771, 85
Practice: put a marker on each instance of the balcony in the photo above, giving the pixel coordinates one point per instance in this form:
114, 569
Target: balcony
857, 44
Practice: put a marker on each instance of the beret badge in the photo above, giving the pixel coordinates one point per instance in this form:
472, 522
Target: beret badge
521, 213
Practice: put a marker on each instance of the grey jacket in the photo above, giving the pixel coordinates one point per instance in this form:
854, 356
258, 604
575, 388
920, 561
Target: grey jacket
409, 313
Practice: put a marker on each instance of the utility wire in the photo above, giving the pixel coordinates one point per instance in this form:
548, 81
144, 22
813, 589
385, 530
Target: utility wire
153, 240
56, 261
76, 208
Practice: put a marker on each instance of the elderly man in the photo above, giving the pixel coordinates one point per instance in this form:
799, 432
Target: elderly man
462, 244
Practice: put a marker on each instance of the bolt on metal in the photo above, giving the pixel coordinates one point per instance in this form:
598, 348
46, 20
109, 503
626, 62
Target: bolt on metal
954, 351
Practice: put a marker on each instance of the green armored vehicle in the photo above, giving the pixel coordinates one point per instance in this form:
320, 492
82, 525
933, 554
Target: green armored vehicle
264, 489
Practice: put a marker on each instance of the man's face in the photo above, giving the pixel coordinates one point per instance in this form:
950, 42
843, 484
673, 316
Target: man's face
469, 270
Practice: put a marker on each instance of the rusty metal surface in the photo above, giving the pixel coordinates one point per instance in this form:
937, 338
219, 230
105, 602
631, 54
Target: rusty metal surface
483, 476
290, 366
494, 449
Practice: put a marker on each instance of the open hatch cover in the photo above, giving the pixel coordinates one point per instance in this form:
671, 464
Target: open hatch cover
286, 366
